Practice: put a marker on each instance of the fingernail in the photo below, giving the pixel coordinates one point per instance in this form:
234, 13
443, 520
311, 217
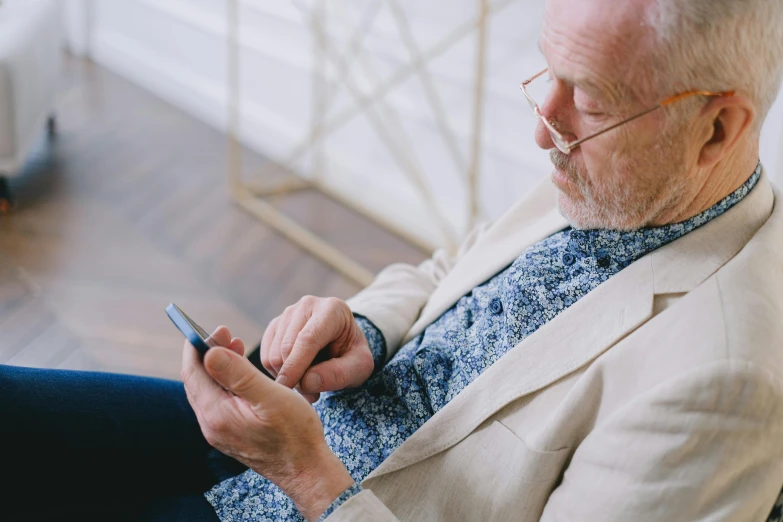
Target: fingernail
313, 382
282, 379
220, 360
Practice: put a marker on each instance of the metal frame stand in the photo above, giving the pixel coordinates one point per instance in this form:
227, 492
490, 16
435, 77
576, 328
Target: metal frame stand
384, 119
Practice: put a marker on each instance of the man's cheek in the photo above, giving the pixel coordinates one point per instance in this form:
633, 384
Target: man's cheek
613, 167
588, 165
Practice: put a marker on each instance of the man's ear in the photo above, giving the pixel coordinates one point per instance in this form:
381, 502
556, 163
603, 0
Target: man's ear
731, 118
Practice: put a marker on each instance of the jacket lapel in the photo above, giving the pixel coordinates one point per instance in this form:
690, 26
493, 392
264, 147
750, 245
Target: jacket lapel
683, 265
583, 331
578, 335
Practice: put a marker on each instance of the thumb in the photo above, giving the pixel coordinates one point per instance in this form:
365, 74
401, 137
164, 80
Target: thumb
221, 335
237, 374
348, 371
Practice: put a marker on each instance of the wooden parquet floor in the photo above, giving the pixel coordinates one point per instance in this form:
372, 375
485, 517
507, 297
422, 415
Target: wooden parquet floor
127, 209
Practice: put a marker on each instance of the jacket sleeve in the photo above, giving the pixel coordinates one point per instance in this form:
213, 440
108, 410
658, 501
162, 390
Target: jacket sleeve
704, 446
395, 298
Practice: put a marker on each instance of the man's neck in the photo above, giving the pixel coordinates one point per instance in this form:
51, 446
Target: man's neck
718, 182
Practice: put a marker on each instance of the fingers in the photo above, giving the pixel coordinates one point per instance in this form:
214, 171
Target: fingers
237, 346
291, 322
266, 346
288, 339
199, 386
196, 381
319, 331
293, 340
221, 335
238, 375
348, 371
280, 336
310, 397
275, 357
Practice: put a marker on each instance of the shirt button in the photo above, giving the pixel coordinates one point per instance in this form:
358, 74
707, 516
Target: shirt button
496, 306
569, 259
603, 262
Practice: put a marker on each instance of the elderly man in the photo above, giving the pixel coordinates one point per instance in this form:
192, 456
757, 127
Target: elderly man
610, 349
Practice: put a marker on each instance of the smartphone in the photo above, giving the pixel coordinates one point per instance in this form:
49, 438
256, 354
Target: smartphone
199, 338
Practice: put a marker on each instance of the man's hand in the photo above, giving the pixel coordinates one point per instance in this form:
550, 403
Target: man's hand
323, 327
262, 424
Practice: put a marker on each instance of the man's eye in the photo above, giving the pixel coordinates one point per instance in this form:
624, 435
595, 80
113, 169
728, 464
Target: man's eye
592, 113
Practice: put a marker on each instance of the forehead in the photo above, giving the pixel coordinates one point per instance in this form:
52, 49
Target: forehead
596, 41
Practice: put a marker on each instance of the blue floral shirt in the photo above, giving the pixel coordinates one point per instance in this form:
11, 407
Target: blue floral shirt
364, 425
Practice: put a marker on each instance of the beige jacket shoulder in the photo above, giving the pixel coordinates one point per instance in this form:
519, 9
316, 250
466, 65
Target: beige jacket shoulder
658, 396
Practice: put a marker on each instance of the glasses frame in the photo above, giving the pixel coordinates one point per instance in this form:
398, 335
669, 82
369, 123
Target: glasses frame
567, 147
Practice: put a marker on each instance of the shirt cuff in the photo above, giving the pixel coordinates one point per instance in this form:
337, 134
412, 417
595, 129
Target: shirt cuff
374, 339
355, 489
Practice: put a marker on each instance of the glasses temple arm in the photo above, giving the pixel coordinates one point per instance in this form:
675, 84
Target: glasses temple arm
529, 81
579, 142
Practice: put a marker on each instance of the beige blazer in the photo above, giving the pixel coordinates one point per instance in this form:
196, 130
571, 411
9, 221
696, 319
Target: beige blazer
657, 397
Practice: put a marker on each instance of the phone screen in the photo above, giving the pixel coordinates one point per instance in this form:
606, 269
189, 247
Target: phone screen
199, 330
190, 327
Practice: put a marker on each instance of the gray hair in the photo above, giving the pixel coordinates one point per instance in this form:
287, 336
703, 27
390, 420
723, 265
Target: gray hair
721, 45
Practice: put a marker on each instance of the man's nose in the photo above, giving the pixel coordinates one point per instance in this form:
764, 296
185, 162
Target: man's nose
549, 107
543, 138
561, 118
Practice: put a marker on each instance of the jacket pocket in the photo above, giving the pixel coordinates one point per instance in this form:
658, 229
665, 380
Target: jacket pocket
504, 478
512, 454
491, 475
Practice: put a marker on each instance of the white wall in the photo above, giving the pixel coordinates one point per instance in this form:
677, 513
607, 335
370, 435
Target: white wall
177, 49
77, 23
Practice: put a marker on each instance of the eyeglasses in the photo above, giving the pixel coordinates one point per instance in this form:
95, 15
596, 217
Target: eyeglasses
567, 147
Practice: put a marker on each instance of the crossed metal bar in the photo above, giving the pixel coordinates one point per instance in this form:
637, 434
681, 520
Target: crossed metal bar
384, 119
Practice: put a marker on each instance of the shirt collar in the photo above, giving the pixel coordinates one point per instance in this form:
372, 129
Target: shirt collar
621, 248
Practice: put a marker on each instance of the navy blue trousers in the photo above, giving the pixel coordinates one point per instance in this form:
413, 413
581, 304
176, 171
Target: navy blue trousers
99, 446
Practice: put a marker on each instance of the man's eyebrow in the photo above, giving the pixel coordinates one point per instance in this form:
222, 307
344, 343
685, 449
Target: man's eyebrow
615, 93
583, 83
590, 86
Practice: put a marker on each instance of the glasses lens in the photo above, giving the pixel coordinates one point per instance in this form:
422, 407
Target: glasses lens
561, 145
530, 102
538, 89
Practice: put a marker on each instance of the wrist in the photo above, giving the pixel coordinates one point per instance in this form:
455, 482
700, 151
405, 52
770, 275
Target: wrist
315, 488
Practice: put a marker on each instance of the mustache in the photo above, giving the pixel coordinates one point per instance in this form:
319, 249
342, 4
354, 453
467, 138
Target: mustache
563, 163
